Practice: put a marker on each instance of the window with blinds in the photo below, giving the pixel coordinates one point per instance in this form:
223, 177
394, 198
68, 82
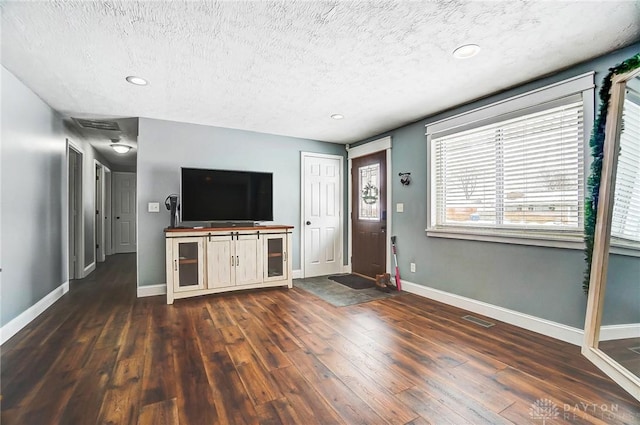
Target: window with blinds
625, 223
522, 171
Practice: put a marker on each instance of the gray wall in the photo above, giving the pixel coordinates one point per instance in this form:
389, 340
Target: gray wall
33, 225
165, 146
543, 282
33, 181
622, 295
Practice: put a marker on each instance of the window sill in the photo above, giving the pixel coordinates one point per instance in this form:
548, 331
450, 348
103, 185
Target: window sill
626, 248
566, 241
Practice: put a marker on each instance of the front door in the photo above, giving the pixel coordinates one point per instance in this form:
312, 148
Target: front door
369, 217
124, 212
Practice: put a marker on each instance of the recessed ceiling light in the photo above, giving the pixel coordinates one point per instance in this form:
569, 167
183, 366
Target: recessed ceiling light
137, 80
337, 116
466, 51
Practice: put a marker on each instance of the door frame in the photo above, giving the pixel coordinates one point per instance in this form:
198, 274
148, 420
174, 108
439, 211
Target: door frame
383, 144
78, 270
99, 204
303, 156
108, 216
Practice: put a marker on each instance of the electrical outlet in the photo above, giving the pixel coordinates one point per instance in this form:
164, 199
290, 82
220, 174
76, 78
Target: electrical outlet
413, 267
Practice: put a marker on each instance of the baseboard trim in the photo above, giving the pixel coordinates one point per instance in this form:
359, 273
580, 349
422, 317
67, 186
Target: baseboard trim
611, 332
152, 290
296, 274
27, 316
88, 270
555, 330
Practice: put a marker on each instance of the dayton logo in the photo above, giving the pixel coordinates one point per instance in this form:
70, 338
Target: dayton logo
544, 409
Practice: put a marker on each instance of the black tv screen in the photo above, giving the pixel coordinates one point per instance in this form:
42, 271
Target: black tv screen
225, 195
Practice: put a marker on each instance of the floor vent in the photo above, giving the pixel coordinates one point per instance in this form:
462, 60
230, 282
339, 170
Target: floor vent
477, 321
635, 349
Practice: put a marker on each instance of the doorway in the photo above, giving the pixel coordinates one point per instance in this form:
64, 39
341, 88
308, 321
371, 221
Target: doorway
322, 218
107, 216
74, 173
369, 214
99, 217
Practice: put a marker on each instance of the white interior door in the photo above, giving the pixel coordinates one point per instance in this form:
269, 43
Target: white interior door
322, 214
124, 212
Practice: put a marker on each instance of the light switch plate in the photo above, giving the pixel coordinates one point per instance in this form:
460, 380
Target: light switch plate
153, 207
399, 207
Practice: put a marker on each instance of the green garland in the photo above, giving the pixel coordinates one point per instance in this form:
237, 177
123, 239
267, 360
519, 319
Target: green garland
597, 147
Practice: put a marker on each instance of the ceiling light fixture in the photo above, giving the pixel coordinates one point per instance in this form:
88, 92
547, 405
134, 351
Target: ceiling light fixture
466, 51
119, 147
337, 116
138, 81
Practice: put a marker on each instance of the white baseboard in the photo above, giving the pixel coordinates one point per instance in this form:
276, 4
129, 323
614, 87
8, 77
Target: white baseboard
88, 270
536, 324
610, 332
152, 290
296, 274
24, 318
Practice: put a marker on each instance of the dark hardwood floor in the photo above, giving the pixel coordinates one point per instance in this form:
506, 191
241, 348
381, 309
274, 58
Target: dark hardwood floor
101, 356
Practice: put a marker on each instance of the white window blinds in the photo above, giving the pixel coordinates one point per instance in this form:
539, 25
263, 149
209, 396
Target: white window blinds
521, 171
626, 208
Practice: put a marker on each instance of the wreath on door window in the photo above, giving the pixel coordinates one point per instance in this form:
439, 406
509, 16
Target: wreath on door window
370, 194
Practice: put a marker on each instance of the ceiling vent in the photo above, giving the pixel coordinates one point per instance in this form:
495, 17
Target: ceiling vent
97, 124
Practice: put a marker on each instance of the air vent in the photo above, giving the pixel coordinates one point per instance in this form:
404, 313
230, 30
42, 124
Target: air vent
477, 321
97, 124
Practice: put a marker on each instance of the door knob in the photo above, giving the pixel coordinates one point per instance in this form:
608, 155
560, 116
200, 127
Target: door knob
308, 223
117, 218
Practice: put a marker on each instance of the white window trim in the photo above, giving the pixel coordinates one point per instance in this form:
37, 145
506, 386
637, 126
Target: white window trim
571, 240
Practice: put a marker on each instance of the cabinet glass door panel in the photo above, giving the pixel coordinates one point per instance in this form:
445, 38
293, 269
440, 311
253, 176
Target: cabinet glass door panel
188, 264
275, 266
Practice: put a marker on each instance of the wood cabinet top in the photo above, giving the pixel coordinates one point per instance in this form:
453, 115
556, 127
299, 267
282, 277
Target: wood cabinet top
228, 229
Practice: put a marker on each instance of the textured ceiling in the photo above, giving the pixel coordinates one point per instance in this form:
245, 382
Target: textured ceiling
285, 67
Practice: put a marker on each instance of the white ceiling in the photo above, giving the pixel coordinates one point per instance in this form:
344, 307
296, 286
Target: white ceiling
284, 67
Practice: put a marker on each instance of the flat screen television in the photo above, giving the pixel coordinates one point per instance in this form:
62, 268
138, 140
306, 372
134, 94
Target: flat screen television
225, 195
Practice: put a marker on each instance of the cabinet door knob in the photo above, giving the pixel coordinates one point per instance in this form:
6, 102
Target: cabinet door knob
308, 222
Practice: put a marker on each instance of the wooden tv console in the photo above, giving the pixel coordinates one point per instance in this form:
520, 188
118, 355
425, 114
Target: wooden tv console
204, 261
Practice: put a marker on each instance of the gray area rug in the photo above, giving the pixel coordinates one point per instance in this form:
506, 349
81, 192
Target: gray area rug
340, 295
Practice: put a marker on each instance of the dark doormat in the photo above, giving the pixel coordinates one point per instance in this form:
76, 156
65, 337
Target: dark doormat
353, 281
340, 295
